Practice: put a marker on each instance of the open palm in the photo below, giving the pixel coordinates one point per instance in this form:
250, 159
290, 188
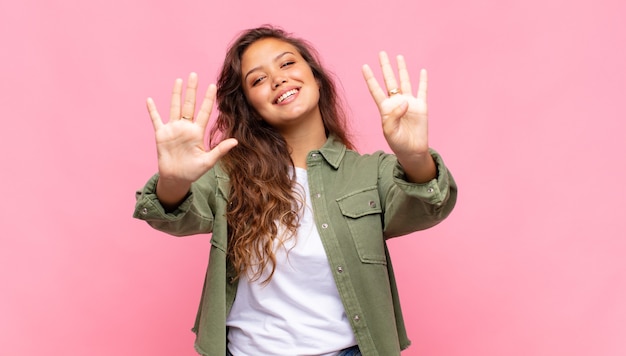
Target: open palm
404, 115
181, 151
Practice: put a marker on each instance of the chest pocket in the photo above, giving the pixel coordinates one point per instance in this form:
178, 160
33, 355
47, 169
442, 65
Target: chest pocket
363, 214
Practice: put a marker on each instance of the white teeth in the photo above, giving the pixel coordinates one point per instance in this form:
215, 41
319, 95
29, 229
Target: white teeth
286, 95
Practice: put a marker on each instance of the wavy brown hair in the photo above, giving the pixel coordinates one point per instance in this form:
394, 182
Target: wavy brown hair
260, 167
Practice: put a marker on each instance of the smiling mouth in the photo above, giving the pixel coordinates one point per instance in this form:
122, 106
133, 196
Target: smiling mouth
286, 95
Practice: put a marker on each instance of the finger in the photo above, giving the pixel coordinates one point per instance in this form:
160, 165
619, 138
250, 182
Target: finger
388, 75
175, 102
157, 123
219, 151
207, 106
189, 105
423, 85
372, 84
403, 74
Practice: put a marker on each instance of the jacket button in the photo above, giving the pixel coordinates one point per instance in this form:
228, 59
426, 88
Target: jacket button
340, 269
144, 211
356, 317
372, 204
324, 226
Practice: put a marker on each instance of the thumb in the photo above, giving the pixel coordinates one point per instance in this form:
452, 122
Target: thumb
219, 151
397, 112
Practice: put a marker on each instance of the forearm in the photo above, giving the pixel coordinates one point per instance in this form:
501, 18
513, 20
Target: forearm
419, 168
414, 206
171, 193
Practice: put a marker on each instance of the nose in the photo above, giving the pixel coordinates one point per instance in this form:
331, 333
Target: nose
278, 81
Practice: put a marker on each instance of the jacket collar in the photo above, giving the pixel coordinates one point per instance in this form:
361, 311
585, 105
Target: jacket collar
333, 151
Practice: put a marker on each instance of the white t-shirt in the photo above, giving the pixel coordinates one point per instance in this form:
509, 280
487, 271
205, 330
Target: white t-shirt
299, 312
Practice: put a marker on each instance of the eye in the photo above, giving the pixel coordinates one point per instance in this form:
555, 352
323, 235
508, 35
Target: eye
257, 80
285, 64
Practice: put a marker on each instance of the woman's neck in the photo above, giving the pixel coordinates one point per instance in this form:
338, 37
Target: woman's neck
301, 142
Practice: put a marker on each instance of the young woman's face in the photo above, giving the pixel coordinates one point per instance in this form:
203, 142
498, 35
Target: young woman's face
279, 83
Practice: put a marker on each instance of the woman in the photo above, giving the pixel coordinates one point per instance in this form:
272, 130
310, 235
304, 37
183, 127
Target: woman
298, 262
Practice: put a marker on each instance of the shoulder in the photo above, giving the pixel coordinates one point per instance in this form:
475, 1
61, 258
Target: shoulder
214, 182
378, 159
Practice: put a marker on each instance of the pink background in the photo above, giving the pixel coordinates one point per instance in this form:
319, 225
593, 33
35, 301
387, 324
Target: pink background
527, 107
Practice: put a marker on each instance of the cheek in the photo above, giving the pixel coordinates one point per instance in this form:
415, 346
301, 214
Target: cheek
317, 91
256, 99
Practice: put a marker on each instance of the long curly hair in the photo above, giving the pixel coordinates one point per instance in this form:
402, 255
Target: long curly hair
262, 178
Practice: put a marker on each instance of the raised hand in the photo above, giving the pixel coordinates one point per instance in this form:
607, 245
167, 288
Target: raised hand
182, 154
404, 117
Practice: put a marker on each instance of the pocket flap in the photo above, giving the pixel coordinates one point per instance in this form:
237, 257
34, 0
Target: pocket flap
360, 203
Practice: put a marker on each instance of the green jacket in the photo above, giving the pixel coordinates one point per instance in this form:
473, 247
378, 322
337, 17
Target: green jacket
358, 201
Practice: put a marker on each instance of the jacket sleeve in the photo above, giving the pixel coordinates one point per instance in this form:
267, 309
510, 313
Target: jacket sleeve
193, 216
409, 206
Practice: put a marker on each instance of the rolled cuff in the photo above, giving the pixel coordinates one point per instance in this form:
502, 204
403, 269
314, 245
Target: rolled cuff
435, 191
149, 208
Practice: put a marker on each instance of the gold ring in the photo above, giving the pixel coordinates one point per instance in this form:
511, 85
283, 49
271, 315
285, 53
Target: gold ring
394, 91
187, 118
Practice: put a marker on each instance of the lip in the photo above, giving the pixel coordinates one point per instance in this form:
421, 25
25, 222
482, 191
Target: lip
275, 101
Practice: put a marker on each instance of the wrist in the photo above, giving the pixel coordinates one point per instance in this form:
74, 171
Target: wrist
171, 192
420, 168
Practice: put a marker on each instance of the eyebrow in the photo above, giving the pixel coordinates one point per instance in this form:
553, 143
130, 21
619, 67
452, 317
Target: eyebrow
259, 67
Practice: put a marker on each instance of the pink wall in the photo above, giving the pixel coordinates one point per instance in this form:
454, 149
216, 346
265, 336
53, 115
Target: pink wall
527, 107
